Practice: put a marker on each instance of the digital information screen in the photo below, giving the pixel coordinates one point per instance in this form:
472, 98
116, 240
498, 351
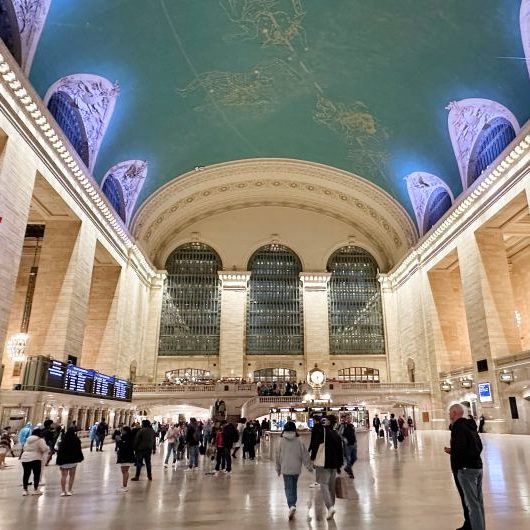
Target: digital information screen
484, 393
76, 380
122, 389
103, 385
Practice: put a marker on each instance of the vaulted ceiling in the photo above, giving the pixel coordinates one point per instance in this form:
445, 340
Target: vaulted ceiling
358, 85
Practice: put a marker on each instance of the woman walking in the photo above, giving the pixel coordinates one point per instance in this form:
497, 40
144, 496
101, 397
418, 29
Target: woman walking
290, 456
126, 457
68, 456
33, 452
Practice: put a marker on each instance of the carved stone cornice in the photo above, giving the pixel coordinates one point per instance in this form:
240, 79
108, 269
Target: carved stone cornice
234, 280
315, 281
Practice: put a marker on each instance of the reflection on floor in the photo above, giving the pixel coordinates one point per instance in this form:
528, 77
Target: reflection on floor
410, 488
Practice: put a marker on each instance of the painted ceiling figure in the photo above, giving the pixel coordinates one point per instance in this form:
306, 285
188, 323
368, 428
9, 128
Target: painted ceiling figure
95, 98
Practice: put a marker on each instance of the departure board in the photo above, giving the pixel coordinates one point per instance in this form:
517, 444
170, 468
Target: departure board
62, 377
55, 375
103, 385
78, 380
122, 389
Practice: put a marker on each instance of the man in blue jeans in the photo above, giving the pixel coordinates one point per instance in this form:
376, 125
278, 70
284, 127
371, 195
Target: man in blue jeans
193, 437
466, 465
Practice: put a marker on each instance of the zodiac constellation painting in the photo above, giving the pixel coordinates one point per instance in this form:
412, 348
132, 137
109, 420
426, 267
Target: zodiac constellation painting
258, 89
358, 129
271, 22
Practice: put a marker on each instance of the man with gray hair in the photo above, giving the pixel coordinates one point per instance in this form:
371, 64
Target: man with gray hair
466, 465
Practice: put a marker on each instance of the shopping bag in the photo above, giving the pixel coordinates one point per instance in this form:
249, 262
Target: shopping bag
343, 488
320, 459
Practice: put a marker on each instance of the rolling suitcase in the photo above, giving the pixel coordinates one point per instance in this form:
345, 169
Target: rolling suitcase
381, 433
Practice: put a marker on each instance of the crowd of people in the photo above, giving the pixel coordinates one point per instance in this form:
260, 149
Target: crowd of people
331, 453
286, 388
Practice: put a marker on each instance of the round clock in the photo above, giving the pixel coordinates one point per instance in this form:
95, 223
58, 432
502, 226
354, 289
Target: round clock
316, 377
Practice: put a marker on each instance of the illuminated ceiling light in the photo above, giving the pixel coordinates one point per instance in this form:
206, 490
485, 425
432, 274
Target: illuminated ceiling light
16, 347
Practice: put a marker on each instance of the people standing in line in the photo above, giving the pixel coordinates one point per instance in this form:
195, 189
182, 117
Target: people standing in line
376, 424
101, 431
249, 441
69, 454
33, 452
230, 437
126, 457
347, 432
172, 443
290, 456
394, 430
240, 428
143, 447
327, 458
481, 423
25, 433
466, 465
92, 436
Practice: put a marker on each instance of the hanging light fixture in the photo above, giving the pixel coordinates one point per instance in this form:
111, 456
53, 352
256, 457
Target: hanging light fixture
17, 344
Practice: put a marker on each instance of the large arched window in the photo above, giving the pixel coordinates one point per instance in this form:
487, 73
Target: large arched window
359, 374
490, 143
113, 190
439, 202
69, 119
191, 304
274, 310
355, 310
9, 31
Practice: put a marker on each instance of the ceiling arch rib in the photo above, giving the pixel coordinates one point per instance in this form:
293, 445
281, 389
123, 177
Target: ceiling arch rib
260, 182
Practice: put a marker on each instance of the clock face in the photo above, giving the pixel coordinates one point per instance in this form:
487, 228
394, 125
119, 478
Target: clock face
317, 377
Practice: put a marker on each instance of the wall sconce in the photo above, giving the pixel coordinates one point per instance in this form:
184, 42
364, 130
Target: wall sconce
446, 386
466, 382
506, 376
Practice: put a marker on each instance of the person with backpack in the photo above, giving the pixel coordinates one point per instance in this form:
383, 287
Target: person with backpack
394, 430
327, 458
193, 438
290, 456
69, 454
466, 465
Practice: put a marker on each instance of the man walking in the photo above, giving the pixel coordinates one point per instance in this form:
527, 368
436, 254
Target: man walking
466, 465
376, 423
143, 446
193, 437
347, 431
101, 431
394, 429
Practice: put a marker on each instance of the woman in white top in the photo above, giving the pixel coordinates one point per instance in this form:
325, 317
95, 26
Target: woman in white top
33, 453
240, 428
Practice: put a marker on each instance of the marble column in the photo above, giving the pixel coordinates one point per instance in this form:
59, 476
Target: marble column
60, 303
488, 300
233, 313
17, 180
83, 419
316, 321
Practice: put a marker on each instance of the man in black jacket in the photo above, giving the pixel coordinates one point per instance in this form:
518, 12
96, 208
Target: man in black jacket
230, 437
466, 466
347, 431
143, 446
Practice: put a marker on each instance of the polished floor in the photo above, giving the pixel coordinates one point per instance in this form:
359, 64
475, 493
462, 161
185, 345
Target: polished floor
410, 488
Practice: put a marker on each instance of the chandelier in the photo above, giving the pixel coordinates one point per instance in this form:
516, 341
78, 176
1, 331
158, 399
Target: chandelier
16, 347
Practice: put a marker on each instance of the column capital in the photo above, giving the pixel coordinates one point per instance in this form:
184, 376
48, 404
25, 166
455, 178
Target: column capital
234, 280
315, 281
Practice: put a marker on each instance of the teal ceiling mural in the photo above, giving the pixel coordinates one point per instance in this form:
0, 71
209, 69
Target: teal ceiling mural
355, 84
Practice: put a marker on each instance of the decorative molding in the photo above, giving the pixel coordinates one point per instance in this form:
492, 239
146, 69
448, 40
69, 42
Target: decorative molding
95, 98
466, 120
335, 183
421, 186
234, 281
315, 281
31, 16
131, 175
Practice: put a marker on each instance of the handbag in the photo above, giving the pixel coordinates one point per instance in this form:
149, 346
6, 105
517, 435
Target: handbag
343, 489
320, 459
400, 437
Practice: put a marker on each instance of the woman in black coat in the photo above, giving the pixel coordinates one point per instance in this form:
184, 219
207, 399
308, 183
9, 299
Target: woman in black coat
69, 455
249, 441
126, 457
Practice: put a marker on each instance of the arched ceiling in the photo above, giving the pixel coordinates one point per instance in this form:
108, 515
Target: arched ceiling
358, 85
